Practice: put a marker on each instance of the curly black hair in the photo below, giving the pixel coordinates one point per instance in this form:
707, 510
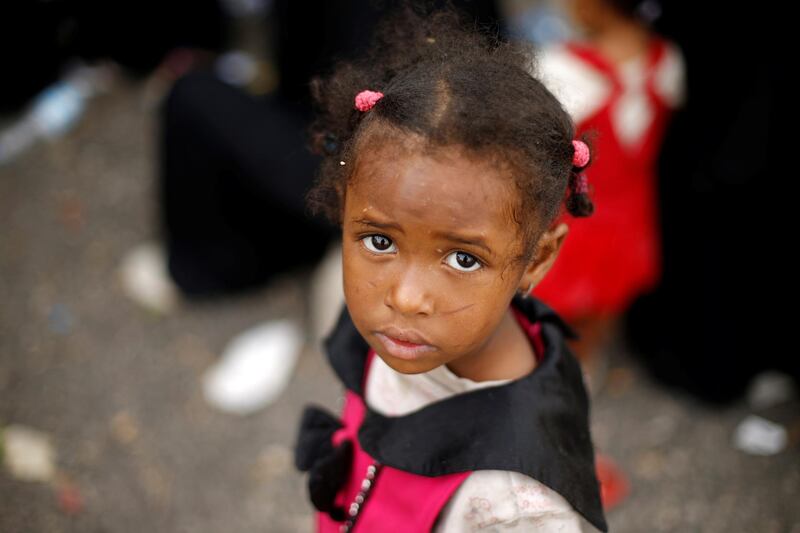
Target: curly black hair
453, 85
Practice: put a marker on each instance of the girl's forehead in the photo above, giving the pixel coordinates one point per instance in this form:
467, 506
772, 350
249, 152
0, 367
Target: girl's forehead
425, 165
441, 189
383, 143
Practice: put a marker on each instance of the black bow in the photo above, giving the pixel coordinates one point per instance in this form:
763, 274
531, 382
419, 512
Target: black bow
328, 466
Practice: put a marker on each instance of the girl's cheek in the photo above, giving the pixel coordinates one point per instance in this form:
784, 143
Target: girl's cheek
361, 275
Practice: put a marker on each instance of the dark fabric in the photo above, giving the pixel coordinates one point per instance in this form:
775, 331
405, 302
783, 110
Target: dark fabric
235, 170
138, 34
328, 465
34, 54
41, 37
537, 425
715, 320
327, 476
319, 427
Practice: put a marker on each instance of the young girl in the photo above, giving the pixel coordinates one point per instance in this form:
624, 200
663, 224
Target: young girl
447, 164
622, 81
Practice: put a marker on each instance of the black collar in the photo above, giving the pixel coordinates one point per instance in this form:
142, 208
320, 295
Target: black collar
482, 429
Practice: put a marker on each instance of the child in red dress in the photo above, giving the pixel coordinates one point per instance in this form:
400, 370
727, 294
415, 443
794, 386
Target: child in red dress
620, 84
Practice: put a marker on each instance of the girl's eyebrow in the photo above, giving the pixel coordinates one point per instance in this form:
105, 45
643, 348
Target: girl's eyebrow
379, 225
474, 241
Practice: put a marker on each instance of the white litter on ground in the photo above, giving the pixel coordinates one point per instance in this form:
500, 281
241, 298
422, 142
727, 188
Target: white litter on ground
255, 368
28, 453
145, 278
758, 436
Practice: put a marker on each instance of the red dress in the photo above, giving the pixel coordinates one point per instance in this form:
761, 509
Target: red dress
614, 255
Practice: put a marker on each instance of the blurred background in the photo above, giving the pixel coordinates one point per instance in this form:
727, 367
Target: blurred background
163, 292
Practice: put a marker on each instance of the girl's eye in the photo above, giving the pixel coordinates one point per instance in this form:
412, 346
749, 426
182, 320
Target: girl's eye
379, 244
463, 262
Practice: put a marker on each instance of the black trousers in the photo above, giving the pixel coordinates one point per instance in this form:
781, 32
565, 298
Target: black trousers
234, 170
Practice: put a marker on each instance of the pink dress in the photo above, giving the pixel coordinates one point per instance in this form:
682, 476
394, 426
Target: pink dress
428, 454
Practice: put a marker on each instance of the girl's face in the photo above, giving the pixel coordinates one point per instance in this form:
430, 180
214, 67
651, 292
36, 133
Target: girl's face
429, 243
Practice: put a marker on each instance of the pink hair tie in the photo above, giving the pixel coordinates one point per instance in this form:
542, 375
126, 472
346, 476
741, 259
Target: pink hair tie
581, 156
582, 184
366, 99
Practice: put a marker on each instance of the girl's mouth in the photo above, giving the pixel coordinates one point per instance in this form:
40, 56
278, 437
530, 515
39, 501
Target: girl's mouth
402, 349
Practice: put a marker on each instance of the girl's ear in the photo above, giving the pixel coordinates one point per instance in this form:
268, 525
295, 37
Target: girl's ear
547, 249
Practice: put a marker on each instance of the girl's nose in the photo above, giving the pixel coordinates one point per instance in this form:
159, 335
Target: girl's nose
408, 293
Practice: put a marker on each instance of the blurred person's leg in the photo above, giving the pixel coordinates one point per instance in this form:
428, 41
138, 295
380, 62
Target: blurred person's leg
234, 172
597, 334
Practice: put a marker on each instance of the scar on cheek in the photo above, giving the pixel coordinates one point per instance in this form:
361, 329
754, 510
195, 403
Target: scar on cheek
460, 309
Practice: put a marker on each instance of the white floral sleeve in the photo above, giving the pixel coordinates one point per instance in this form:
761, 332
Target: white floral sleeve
502, 501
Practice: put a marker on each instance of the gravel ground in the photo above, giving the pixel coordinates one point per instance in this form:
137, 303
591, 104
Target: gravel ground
117, 388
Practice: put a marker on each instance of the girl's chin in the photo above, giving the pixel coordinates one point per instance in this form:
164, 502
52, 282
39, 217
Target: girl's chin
403, 366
